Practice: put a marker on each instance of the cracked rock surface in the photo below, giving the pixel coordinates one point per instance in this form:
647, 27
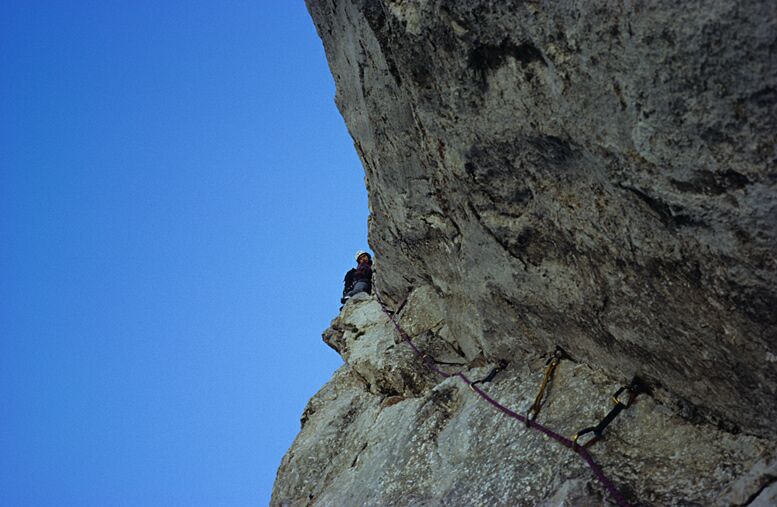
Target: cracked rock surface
387, 431
593, 174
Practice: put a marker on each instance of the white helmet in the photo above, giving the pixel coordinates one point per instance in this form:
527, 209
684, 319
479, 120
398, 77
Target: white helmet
359, 253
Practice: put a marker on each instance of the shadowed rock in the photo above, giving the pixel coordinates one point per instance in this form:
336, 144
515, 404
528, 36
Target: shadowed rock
599, 176
587, 174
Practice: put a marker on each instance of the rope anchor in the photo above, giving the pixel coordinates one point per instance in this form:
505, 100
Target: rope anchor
550, 369
634, 388
616, 495
501, 365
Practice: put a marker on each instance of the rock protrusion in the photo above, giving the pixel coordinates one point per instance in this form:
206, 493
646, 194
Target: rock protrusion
435, 442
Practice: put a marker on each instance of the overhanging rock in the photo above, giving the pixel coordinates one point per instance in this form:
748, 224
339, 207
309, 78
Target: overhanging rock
592, 175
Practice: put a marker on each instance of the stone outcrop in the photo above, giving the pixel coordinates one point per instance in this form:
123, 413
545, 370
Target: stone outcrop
386, 431
595, 175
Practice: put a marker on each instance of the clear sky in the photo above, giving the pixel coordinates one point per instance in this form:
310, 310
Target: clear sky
179, 200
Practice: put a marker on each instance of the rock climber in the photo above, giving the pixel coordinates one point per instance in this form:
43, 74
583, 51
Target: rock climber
358, 279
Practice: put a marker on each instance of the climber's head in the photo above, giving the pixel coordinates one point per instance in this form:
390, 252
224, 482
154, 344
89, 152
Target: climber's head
362, 256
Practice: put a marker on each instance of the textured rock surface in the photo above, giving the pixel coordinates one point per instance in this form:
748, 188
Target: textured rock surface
384, 431
596, 175
599, 175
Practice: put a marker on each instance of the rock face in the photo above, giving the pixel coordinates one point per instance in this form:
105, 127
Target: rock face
595, 175
387, 431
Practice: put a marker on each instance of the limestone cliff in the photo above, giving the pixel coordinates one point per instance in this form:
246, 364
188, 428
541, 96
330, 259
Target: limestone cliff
387, 431
594, 175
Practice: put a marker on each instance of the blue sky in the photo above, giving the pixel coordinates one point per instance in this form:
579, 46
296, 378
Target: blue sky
179, 200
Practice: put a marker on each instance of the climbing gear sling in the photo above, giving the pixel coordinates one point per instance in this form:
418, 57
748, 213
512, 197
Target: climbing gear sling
616, 495
550, 368
488, 378
633, 388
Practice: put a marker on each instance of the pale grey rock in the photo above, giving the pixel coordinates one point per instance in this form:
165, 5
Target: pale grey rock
591, 174
363, 335
573, 493
599, 175
443, 445
767, 497
758, 486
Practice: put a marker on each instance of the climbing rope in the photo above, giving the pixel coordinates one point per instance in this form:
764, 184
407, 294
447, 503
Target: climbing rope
430, 363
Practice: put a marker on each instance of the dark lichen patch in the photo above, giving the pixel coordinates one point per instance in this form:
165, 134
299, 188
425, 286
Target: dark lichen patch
439, 408
669, 215
487, 58
552, 149
712, 183
490, 57
765, 97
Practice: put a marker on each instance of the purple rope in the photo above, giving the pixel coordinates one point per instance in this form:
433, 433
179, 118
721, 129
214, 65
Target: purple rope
427, 359
430, 363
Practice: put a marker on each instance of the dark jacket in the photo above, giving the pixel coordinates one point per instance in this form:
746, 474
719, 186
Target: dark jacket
362, 273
